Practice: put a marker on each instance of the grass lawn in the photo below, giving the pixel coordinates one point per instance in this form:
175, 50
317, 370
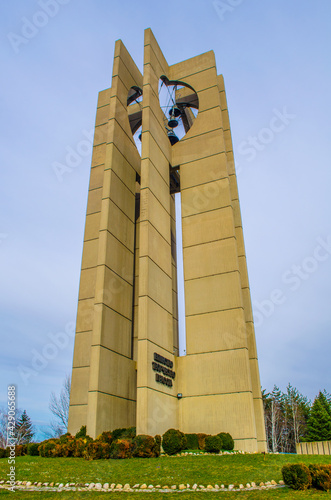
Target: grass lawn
226, 469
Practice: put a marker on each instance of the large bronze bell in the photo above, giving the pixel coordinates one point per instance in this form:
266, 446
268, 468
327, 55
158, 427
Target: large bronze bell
172, 137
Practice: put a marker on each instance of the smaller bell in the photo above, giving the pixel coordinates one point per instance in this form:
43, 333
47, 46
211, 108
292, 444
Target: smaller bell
172, 123
175, 111
172, 137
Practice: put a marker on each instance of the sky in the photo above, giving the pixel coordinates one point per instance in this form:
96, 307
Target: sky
56, 55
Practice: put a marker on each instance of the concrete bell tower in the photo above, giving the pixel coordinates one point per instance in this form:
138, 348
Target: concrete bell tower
126, 369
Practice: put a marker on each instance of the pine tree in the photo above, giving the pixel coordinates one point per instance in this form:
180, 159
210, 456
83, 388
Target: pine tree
24, 429
319, 422
325, 399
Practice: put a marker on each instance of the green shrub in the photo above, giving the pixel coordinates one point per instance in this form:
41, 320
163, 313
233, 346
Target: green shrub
46, 447
321, 476
157, 449
105, 437
297, 476
192, 442
227, 441
32, 449
81, 433
124, 433
96, 450
213, 444
4, 452
20, 450
80, 446
173, 441
144, 447
201, 440
121, 448
65, 437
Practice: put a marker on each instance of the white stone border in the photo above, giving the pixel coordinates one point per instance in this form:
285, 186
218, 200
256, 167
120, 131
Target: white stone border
38, 486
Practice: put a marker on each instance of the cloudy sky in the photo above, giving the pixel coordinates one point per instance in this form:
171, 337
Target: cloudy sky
55, 57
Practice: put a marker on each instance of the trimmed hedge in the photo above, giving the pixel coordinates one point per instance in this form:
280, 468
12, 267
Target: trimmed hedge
201, 440
4, 452
96, 450
321, 476
106, 437
213, 444
227, 441
144, 447
173, 441
297, 476
124, 433
32, 449
192, 442
121, 448
158, 441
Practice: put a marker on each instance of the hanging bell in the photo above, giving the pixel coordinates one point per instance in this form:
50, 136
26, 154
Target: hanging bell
172, 137
175, 111
172, 123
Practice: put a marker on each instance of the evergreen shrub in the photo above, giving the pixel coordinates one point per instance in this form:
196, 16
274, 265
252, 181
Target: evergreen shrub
213, 444
96, 450
32, 449
46, 447
4, 452
321, 476
297, 476
144, 446
201, 439
106, 437
121, 448
227, 441
192, 442
158, 441
173, 441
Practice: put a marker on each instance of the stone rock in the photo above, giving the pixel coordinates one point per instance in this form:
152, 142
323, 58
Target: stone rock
106, 486
201, 486
28, 483
126, 486
216, 487
222, 486
210, 487
281, 482
253, 485
182, 487
241, 486
158, 486
119, 486
273, 483
248, 485
112, 485
174, 487
91, 486
166, 487
98, 486
231, 486
143, 486
194, 487
136, 485
150, 486
261, 484
61, 485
